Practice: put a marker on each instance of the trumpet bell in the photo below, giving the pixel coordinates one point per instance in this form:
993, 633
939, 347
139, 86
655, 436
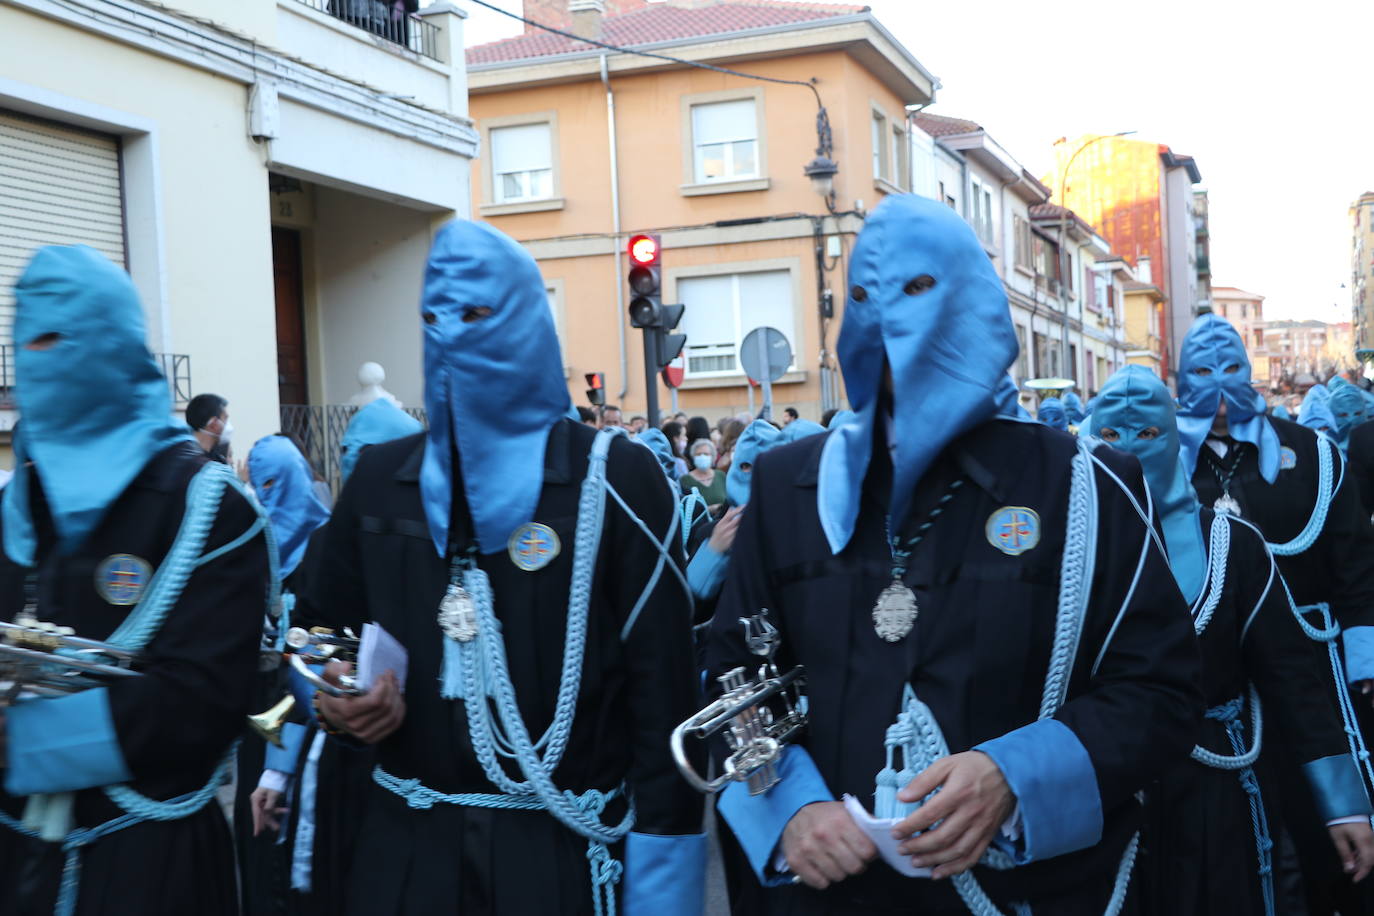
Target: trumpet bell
269, 724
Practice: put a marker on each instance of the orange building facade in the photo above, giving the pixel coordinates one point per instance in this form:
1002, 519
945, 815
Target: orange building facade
577, 159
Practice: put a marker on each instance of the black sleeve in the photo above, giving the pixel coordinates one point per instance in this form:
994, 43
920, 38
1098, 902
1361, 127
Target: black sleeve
662, 679
1347, 543
335, 595
1284, 665
1136, 697
199, 670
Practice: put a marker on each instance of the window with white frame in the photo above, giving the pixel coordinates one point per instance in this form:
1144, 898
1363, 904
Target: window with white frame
899, 158
522, 163
1024, 254
981, 215
723, 308
880, 149
1102, 284
725, 140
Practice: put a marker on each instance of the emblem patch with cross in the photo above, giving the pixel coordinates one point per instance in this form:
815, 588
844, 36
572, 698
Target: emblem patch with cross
533, 546
1014, 530
121, 578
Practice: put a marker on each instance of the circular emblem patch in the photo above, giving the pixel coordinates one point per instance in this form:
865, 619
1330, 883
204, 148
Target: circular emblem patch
1013, 530
1288, 459
533, 546
121, 578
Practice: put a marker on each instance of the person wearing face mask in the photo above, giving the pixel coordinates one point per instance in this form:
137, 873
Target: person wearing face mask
530, 567
1073, 408
1316, 413
703, 476
922, 562
1200, 856
118, 526
1051, 413
208, 417
1290, 483
1348, 409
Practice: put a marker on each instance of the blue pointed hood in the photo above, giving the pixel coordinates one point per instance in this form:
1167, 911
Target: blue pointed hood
925, 301
1134, 400
1212, 364
800, 429
757, 438
1051, 413
284, 485
1281, 412
840, 418
494, 383
1009, 401
95, 405
656, 442
1073, 408
374, 423
1347, 407
1316, 412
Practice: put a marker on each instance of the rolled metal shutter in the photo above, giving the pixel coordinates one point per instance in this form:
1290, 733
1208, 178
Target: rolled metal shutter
58, 186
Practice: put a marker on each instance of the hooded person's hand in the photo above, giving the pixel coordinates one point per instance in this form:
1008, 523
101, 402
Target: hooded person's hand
369, 717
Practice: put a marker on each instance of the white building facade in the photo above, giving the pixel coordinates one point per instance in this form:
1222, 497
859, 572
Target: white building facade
269, 174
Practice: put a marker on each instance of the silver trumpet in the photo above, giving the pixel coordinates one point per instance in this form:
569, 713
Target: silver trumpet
48, 660
318, 646
754, 734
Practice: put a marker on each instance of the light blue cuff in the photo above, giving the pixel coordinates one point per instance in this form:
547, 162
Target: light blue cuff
303, 690
665, 875
706, 572
1336, 786
758, 820
284, 759
63, 744
1359, 653
1052, 776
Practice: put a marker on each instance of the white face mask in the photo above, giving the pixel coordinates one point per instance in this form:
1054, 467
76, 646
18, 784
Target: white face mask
225, 435
701, 462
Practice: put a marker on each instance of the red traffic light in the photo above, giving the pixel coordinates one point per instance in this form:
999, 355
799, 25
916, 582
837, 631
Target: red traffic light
644, 250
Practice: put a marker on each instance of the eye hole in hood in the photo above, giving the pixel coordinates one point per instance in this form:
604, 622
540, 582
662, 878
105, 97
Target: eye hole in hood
44, 341
917, 285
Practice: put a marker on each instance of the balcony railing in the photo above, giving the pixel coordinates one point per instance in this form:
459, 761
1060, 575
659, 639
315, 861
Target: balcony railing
381, 19
175, 366
319, 429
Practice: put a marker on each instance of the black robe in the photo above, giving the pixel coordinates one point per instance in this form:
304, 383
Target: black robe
1360, 464
979, 652
381, 565
174, 724
1198, 854
1337, 569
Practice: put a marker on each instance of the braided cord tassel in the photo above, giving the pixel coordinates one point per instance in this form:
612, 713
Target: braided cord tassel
1218, 549
1325, 490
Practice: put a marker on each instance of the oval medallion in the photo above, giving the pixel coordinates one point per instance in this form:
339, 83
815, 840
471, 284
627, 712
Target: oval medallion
1288, 459
121, 578
1014, 530
533, 546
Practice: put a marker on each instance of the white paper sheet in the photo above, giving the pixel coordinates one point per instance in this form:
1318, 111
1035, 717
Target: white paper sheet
879, 830
379, 652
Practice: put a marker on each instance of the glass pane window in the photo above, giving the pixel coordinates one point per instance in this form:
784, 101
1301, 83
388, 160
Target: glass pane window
879, 152
725, 140
723, 309
522, 162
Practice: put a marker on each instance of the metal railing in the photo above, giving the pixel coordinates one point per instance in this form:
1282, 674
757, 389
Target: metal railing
319, 428
383, 19
176, 367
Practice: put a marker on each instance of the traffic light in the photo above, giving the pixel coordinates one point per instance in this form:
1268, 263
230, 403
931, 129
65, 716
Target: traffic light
596, 389
646, 281
670, 345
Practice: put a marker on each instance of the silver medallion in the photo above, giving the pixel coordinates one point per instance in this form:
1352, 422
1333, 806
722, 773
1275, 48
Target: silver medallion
458, 614
1226, 505
895, 613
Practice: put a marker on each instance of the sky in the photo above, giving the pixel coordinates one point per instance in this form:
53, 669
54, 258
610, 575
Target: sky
1271, 99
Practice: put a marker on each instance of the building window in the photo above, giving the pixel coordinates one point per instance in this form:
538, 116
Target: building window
981, 215
1101, 291
1024, 248
725, 140
1244, 310
880, 153
900, 159
522, 163
723, 308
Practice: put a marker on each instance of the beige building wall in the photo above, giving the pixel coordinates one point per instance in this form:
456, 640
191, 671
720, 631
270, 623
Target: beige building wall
572, 235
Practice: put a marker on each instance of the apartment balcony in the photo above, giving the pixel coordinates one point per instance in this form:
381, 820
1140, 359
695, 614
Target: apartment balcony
1204, 266
377, 18
176, 367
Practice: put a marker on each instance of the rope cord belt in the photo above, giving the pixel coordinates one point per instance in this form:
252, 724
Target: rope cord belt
203, 497
1229, 715
919, 737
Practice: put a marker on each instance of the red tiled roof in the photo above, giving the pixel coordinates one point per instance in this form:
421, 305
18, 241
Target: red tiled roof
942, 126
664, 22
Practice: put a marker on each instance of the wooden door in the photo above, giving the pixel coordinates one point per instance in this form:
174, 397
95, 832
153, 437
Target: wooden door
286, 271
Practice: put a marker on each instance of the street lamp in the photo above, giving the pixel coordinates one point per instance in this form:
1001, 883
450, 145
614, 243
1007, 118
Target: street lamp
1065, 262
823, 169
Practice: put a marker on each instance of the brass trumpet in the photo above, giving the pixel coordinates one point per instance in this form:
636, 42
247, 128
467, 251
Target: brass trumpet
754, 734
48, 660
269, 724
317, 646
